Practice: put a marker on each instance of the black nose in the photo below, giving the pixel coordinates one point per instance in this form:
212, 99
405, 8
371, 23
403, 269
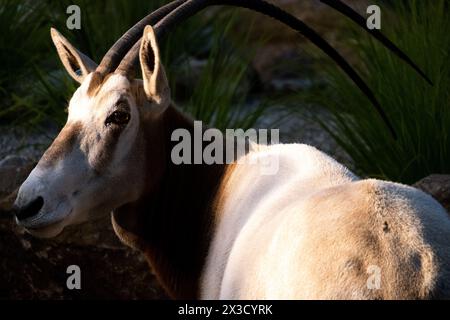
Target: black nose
30, 209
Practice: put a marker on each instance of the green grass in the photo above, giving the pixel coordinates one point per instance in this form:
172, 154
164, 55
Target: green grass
21, 33
420, 113
102, 21
38, 88
222, 92
35, 88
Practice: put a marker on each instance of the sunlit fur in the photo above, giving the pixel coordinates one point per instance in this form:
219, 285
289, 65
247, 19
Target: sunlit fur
86, 164
314, 230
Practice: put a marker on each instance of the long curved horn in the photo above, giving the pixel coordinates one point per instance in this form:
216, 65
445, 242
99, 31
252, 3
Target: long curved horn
347, 11
114, 55
192, 7
338, 5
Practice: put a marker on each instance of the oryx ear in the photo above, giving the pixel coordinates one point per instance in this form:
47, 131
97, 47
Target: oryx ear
156, 86
76, 63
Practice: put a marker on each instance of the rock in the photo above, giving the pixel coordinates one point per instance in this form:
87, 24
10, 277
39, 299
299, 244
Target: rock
26, 144
14, 161
438, 186
13, 171
31, 268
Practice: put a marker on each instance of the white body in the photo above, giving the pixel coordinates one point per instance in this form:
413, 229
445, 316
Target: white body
316, 231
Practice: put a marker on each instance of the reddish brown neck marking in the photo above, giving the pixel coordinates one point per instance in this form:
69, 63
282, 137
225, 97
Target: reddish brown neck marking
176, 219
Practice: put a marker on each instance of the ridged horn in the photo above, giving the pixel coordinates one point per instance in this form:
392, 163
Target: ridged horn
115, 54
191, 7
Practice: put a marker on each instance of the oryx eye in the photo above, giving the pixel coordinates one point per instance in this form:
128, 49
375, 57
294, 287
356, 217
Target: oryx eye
118, 117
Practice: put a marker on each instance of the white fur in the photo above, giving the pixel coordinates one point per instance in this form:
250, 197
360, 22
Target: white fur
67, 186
80, 103
262, 244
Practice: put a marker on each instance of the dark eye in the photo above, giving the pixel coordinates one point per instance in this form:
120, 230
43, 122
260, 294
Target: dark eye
119, 118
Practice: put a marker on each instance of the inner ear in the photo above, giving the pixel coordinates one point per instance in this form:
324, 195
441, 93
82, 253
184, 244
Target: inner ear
156, 85
76, 63
150, 59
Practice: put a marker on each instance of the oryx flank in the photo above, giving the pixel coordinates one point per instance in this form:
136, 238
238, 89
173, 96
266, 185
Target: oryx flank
311, 231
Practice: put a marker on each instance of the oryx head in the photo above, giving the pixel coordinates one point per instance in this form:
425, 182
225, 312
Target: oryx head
96, 162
